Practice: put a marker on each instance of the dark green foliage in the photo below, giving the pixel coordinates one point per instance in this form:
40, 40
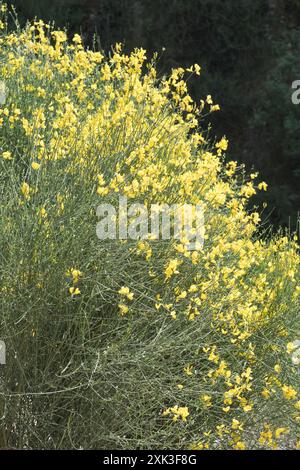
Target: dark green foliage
275, 124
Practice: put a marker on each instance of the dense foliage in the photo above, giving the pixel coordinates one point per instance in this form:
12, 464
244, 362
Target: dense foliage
250, 52
123, 343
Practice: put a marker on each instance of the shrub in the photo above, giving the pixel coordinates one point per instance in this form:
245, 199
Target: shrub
121, 343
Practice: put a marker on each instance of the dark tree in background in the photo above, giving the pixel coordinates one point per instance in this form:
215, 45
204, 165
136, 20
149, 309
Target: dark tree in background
249, 51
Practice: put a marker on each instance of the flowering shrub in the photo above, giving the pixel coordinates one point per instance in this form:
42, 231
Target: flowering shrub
123, 343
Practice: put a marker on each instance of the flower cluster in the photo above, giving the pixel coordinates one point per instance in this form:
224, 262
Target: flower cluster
200, 341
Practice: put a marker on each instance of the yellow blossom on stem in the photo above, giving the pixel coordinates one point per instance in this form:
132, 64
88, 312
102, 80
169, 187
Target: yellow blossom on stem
6, 155
74, 291
35, 165
25, 190
172, 268
125, 291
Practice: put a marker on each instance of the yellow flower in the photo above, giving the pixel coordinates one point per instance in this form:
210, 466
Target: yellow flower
263, 186
197, 69
123, 309
236, 424
25, 189
35, 165
184, 412
177, 412
222, 145
240, 445
76, 274
126, 292
74, 291
43, 212
266, 393
188, 370
290, 347
297, 405
289, 392
198, 446
277, 368
207, 400
193, 288
102, 191
247, 408
77, 39
173, 315
280, 431
59, 36
171, 268
6, 155
266, 436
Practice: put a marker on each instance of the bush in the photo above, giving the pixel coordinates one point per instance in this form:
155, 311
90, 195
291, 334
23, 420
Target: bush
250, 53
121, 343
